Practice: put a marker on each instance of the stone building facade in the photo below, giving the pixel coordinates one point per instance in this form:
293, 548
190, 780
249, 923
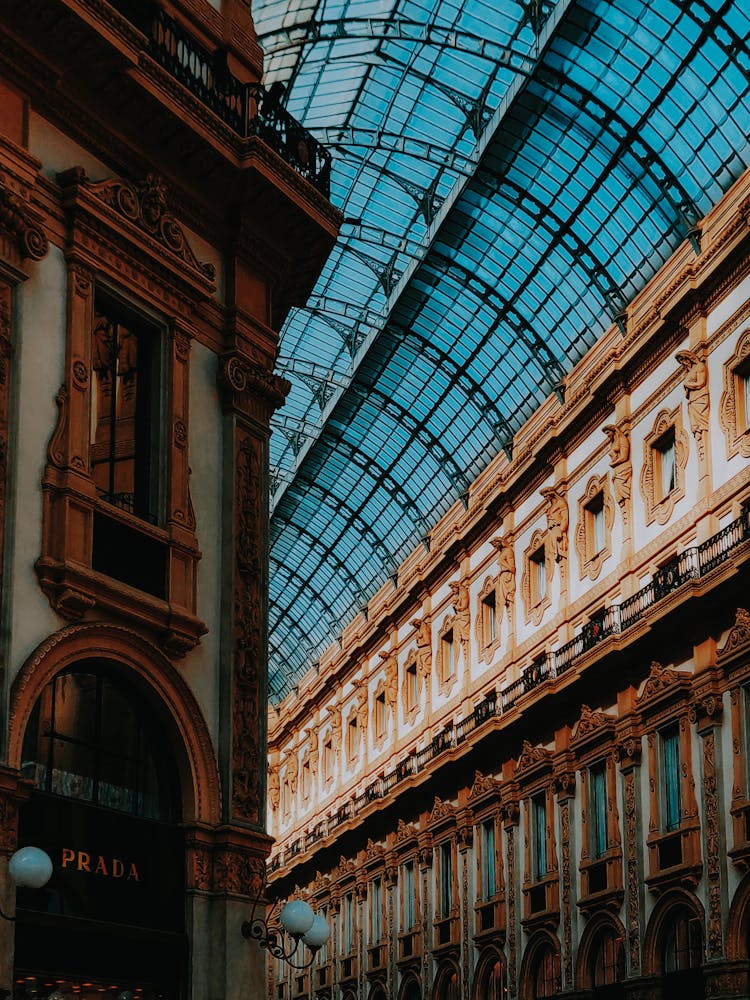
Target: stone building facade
154, 232
522, 771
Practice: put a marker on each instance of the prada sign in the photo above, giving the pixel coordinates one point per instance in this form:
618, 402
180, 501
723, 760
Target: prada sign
105, 862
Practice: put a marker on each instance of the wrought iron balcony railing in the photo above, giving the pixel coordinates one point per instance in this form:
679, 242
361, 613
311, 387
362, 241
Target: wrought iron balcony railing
247, 108
692, 564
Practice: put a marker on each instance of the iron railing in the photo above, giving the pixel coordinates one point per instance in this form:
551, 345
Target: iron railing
247, 108
691, 564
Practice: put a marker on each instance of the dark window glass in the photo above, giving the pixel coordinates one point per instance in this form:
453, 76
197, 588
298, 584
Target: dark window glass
90, 738
598, 810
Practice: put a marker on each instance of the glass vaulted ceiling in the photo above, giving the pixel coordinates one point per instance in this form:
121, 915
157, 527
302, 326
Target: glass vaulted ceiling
511, 174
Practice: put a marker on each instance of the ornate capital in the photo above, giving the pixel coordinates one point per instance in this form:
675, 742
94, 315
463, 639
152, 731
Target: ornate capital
17, 219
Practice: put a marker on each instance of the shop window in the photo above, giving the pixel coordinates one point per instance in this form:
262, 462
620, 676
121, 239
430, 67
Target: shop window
671, 779
89, 739
539, 835
546, 977
408, 920
598, 810
489, 880
445, 875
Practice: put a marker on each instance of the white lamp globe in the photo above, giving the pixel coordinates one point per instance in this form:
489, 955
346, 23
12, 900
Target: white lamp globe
318, 934
297, 917
31, 867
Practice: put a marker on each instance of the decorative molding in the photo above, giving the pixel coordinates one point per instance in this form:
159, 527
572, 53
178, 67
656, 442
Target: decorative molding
558, 520
532, 758
248, 378
590, 562
659, 505
17, 219
423, 628
712, 836
660, 681
446, 682
632, 895
619, 461
506, 572
462, 621
591, 724
441, 811
733, 416
483, 787
145, 205
488, 645
738, 638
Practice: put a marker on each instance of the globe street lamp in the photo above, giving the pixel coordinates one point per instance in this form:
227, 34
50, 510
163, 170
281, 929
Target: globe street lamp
29, 867
299, 921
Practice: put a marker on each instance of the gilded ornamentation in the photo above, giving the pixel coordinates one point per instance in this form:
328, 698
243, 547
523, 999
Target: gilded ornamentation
660, 497
713, 846
695, 382
619, 462
16, 218
145, 205
733, 415
558, 519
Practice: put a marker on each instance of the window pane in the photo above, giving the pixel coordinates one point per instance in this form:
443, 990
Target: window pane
539, 823
488, 860
599, 811
408, 896
671, 779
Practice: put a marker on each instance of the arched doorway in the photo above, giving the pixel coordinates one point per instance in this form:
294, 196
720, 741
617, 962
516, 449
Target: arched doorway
106, 806
540, 969
681, 949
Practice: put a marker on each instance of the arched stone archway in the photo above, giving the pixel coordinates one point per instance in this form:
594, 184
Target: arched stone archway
411, 988
447, 983
601, 955
146, 666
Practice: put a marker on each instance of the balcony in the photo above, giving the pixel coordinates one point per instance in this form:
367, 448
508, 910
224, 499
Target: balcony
691, 565
247, 108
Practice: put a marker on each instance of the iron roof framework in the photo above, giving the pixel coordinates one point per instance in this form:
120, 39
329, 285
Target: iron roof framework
511, 175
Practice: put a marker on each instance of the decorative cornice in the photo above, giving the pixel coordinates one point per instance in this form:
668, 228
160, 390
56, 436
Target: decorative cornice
532, 757
660, 680
739, 635
17, 219
591, 723
484, 785
242, 375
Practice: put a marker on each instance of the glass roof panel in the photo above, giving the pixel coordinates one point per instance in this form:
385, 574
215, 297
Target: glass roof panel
503, 201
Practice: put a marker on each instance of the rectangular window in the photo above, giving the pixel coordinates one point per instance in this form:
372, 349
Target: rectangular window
598, 810
538, 572
539, 834
306, 782
446, 879
449, 665
667, 464
376, 911
412, 686
352, 735
328, 759
348, 928
408, 897
125, 409
595, 530
671, 785
380, 715
489, 618
745, 395
489, 884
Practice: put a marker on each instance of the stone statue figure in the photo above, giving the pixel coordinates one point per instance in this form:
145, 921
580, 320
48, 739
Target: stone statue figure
312, 735
557, 523
292, 771
424, 647
363, 711
274, 786
391, 677
460, 593
619, 460
336, 730
695, 382
506, 563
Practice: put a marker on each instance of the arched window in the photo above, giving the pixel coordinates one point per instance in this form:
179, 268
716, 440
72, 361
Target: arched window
492, 985
681, 947
412, 991
608, 964
546, 973
91, 738
448, 985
